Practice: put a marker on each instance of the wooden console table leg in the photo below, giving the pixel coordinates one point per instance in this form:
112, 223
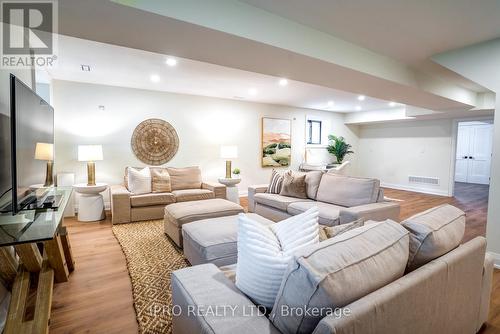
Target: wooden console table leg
8, 266
20, 289
30, 256
56, 258
68, 254
43, 300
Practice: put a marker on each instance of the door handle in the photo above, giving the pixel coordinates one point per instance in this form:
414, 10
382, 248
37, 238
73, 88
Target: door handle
471, 157
465, 157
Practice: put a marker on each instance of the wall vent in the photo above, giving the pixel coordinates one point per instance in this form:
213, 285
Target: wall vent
423, 180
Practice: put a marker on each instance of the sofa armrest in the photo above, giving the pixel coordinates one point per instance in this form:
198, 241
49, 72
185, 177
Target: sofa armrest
206, 301
373, 211
218, 189
486, 287
252, 190
120, 204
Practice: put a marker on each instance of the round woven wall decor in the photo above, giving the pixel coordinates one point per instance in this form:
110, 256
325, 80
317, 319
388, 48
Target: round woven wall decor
155, 142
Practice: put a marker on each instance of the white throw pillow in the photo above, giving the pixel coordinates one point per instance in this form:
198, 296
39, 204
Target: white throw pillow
264, 252
139, 181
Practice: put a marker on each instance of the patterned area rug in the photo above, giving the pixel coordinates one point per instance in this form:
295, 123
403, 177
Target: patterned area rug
151, 257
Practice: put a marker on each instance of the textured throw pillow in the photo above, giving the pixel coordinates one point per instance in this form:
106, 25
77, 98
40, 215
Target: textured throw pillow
264, 252
275, 183
294, 185
160, 180
327, 232
139, 181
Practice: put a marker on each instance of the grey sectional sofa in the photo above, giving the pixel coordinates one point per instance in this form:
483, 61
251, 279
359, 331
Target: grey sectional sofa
340, 199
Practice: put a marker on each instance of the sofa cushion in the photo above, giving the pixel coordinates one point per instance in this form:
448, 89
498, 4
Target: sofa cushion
264, 252
313, 179
347, 191
328, 213
192, 195
433, 233
327, 232
160, 180
294, 185
151, 199
339, 271
185, 178
277, 201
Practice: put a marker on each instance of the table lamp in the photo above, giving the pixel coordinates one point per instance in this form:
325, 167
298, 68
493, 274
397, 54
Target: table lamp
90, 153
228, 152
45, 151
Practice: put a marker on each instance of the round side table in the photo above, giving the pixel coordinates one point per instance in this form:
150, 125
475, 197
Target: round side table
232, 193
90, 202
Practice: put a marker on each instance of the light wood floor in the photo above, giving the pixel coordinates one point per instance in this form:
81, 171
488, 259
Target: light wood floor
98, 296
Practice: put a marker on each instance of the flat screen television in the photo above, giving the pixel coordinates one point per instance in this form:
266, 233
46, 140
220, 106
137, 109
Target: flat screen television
31, 122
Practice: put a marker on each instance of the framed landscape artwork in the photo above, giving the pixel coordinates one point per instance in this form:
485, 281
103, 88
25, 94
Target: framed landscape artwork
276, 142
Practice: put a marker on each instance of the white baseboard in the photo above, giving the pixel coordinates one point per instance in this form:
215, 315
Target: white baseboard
243, 193
496, 259
417, 189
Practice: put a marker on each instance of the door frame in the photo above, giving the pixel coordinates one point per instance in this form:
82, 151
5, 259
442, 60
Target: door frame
454, 135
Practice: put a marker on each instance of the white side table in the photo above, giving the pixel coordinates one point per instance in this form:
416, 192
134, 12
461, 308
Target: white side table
232, 193
90, 202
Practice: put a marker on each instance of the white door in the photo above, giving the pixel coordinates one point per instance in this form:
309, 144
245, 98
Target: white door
474, 148
480, 158
463, 145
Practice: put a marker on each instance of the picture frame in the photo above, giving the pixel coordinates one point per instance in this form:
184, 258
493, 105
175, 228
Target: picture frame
276, 142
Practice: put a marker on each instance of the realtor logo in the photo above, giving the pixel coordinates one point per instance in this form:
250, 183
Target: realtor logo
28, 33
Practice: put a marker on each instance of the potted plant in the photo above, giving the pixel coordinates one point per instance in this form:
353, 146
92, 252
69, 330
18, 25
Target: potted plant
236, 173
338, 147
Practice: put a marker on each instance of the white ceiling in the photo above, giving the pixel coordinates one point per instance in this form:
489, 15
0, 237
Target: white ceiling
126, 67
407, 30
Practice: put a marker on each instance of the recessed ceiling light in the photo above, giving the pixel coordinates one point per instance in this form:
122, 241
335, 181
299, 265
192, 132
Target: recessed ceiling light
358, 108
171, 62
85, 68
392, 104
330, 103
252, 91
361, 97
155, 78
283, 82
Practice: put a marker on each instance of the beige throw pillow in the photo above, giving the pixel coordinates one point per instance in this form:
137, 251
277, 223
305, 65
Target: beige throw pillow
294, 185
160, 180
327, 232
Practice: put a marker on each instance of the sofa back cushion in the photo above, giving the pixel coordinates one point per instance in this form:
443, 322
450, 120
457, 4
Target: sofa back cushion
185, 178
337, 272
313, 179
160, 180
347, 191
434, 233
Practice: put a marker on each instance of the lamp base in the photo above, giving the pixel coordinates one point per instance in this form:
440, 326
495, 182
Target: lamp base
228, 169
91, 173
49, 180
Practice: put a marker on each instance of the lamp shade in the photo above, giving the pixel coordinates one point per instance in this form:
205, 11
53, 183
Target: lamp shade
229, 152
89, 152
44, 151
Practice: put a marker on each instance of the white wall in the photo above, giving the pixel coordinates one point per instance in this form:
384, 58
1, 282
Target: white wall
393, 151
203, 125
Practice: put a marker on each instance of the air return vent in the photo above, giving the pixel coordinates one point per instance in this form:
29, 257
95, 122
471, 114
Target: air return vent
423, 180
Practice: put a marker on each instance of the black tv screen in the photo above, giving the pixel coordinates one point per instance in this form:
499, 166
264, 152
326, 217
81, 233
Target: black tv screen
32, 122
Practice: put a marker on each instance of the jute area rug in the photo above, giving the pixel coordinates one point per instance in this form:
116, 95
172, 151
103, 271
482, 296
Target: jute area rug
151, 258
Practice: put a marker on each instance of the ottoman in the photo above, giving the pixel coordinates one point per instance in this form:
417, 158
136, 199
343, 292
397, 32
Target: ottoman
214, 240
178, 214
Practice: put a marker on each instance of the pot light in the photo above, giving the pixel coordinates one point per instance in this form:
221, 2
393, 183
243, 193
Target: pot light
330, 103
283, 82
358, 108
171, 62
155, 78
392, 104
361, 97
252, 91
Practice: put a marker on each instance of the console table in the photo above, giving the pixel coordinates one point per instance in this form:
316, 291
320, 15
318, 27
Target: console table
41, 243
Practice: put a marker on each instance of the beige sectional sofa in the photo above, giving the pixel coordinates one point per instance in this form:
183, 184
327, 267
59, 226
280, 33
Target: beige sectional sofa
384, 277
186, 184
340, 199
